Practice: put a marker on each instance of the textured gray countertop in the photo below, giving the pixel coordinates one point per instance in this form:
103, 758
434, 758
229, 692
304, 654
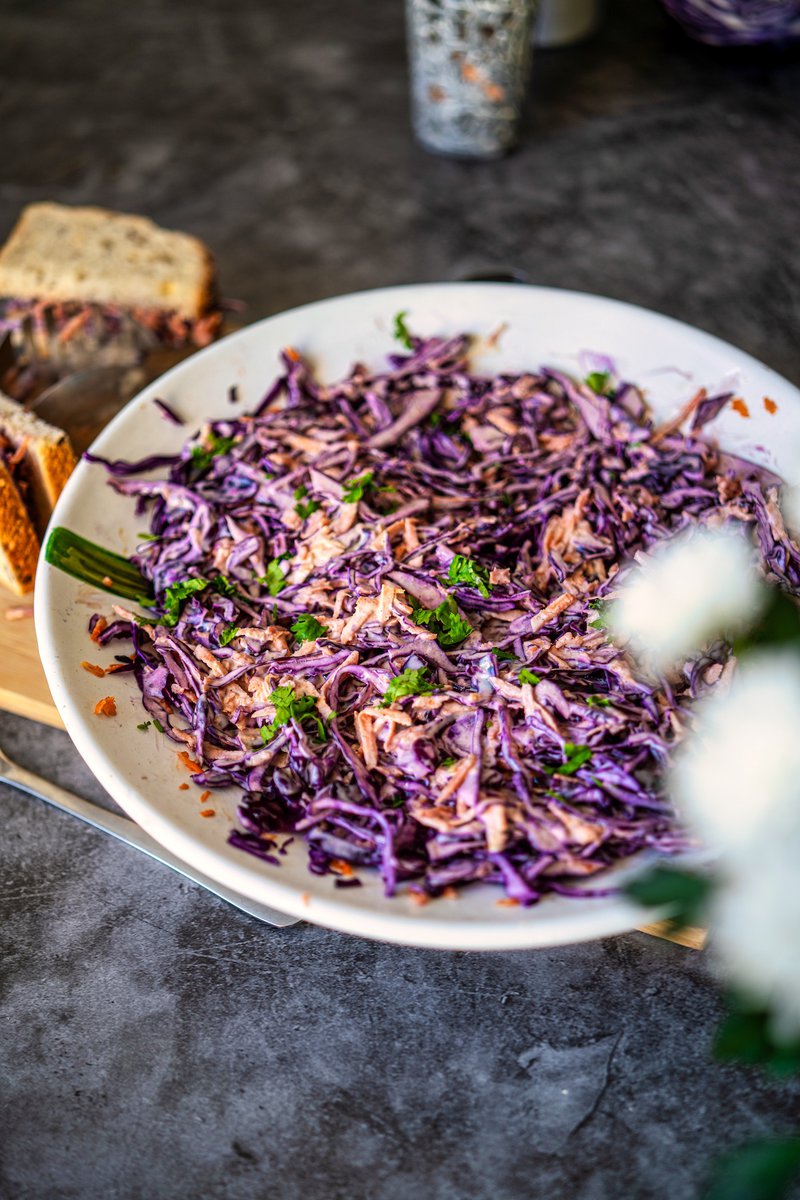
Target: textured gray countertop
156, 1043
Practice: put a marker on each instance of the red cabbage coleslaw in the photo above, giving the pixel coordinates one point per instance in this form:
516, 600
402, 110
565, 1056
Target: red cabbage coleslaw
379, 614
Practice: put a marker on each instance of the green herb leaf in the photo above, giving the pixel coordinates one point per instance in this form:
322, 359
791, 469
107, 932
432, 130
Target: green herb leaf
159, 728
445, 621
400, 330
228, 634
304, 510
289, 707
177, 594
685, 893
223, 585
274, 580
598, 701
202, 456
599, 382
467, 571
307, 628
147, 537
759, 1170
600, 608
778, 625
355, 488
412, 682
526, 676
448, 762
144, 725
505, 655
577, 756
746, 1035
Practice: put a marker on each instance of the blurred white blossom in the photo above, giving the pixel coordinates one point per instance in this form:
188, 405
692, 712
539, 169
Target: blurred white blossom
690, 589
756, 922
738, 771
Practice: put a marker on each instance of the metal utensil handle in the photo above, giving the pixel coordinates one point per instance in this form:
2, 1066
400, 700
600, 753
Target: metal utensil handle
126, 831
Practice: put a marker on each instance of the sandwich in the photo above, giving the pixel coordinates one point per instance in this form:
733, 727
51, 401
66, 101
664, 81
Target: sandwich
36, 460
86, 285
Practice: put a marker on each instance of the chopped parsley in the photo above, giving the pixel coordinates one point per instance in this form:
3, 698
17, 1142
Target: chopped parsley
175, 596
304, 510
411, 682
223, 585
466, 570
289, 707
598, 701
527, 676
159, 728
601, 614
445, 621
147, 537
505, 655
599, 382
274, 580
203, 457
355, 488
577, 757
144, 725
307, 628
400, 330
448, 762
228, 634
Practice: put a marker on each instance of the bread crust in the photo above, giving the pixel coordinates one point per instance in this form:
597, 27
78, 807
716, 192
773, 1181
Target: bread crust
24, 274
48, 456
19, 545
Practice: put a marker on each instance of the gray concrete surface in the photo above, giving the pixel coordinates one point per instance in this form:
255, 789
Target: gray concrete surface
157, 1045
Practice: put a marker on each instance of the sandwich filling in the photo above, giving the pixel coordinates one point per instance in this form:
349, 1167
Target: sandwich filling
55, 323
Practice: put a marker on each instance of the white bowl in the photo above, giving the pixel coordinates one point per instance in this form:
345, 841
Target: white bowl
140, 770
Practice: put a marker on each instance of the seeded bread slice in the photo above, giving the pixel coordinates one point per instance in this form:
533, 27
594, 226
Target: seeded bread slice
19, 545
91, 255
49, 458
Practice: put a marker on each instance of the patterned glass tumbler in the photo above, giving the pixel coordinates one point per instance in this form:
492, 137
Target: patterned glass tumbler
470, 63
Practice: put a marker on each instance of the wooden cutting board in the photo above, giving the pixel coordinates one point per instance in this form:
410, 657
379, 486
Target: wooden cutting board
23, 687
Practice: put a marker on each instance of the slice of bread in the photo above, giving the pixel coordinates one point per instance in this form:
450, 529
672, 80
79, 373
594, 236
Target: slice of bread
91, 255
48, 459
19, 545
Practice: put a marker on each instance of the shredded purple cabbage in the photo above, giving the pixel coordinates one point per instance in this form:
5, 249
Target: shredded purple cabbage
359, 504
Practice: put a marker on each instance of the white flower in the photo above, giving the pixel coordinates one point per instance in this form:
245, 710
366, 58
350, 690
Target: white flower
738, 772
756, 922
690, 589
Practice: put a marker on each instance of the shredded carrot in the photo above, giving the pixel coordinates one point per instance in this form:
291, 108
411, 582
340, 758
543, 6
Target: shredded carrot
341, 867
188, 762
207, 812
107, 707
292, 354
507, 902
203, 797
183, 787
738, 405
770, 405
98, 629
108, 581
419, 898
450, 893
306, 898
99, 672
